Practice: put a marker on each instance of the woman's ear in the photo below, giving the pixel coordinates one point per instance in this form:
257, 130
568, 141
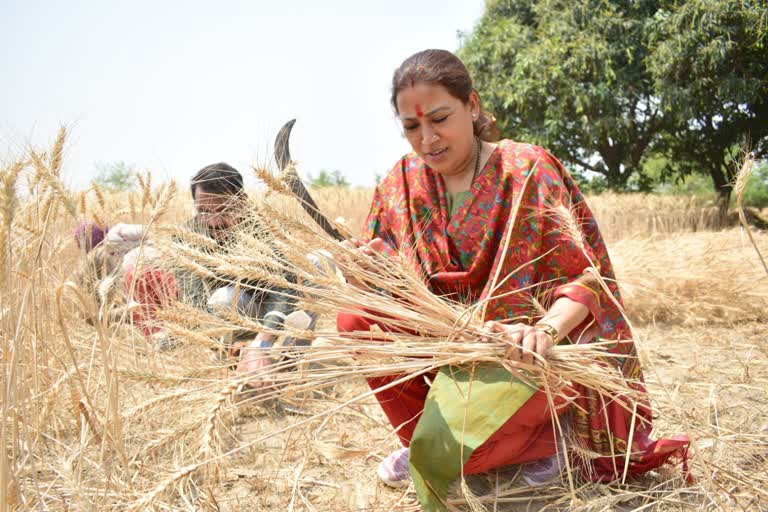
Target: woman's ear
474, 104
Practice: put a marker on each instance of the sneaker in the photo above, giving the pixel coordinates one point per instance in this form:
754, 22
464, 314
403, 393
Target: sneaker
543, 471
393, 470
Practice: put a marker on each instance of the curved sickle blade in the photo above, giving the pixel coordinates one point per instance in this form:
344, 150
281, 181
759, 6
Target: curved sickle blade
282, 151
292, 179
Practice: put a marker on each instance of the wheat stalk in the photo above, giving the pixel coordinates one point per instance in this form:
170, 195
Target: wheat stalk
742, 177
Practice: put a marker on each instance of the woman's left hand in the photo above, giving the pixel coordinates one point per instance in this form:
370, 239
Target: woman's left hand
370, 249
523, 340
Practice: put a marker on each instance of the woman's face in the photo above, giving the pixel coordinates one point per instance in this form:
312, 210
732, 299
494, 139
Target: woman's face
438, 126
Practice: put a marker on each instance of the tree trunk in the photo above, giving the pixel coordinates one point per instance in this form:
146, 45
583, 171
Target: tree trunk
723, 188
616, 179
612, 159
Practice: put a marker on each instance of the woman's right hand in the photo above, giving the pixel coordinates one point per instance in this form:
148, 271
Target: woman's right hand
370, 249
524, 340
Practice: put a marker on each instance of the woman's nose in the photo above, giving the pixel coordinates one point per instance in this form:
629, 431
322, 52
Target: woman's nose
428, 135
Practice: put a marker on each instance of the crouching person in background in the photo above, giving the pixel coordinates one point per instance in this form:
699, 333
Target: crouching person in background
222, 214
99, 273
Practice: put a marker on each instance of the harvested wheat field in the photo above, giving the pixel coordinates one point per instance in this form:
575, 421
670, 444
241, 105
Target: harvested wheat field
96, 418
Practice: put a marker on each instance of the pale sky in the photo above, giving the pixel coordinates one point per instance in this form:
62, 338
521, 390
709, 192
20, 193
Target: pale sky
172, 86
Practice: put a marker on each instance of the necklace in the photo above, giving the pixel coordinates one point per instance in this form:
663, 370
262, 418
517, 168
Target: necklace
477, 160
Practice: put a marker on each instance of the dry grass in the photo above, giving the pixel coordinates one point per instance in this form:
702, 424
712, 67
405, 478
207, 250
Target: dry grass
629, 216
620, 216
693, 278
94, 418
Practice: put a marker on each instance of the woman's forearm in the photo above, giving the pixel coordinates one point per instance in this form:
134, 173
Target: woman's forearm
564, 315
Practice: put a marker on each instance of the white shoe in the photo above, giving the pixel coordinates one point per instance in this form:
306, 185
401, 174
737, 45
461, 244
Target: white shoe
543, 471
393, 470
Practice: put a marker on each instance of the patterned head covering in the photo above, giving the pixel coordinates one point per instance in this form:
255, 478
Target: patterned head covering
89, 234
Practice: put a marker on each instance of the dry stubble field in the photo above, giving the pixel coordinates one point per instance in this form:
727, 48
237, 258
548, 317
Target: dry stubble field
94, 418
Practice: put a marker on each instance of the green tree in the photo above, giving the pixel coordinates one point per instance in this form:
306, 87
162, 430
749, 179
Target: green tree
709, 62
756, 191
328, 179
607, 84
572, 77
115, 176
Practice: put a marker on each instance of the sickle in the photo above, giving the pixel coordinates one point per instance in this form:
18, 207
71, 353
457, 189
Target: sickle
291, 178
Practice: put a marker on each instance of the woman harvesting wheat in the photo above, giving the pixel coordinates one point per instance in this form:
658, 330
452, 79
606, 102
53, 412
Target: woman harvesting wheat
503, 225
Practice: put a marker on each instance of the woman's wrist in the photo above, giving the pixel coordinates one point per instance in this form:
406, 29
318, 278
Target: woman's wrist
548, 328
564, 316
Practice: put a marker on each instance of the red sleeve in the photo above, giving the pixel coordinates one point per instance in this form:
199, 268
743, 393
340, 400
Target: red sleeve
571, 244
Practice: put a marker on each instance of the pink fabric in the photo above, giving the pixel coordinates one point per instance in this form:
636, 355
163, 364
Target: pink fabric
152, 288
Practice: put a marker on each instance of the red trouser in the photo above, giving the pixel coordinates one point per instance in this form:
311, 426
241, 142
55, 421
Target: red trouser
526, 436
151, 289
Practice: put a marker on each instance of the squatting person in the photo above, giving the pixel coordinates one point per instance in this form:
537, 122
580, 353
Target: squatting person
221, 213
448, 203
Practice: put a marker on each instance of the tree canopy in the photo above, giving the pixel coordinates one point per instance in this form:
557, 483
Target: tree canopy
115, 175
328, 179
710, 67
604, 84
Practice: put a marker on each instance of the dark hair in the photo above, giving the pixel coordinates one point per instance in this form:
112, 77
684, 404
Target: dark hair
219, 178
441, 67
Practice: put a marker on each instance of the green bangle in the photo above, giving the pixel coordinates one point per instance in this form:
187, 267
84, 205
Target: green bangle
547, 329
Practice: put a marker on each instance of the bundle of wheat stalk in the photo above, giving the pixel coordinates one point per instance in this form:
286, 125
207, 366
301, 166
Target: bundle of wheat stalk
425, 330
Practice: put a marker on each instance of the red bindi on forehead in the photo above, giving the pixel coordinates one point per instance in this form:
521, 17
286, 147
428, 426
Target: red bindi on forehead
419, 111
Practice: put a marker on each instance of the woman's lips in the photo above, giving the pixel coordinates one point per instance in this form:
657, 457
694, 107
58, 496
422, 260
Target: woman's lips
436, 156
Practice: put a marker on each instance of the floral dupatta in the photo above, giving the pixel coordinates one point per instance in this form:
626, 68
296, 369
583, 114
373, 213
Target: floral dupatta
542, 256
